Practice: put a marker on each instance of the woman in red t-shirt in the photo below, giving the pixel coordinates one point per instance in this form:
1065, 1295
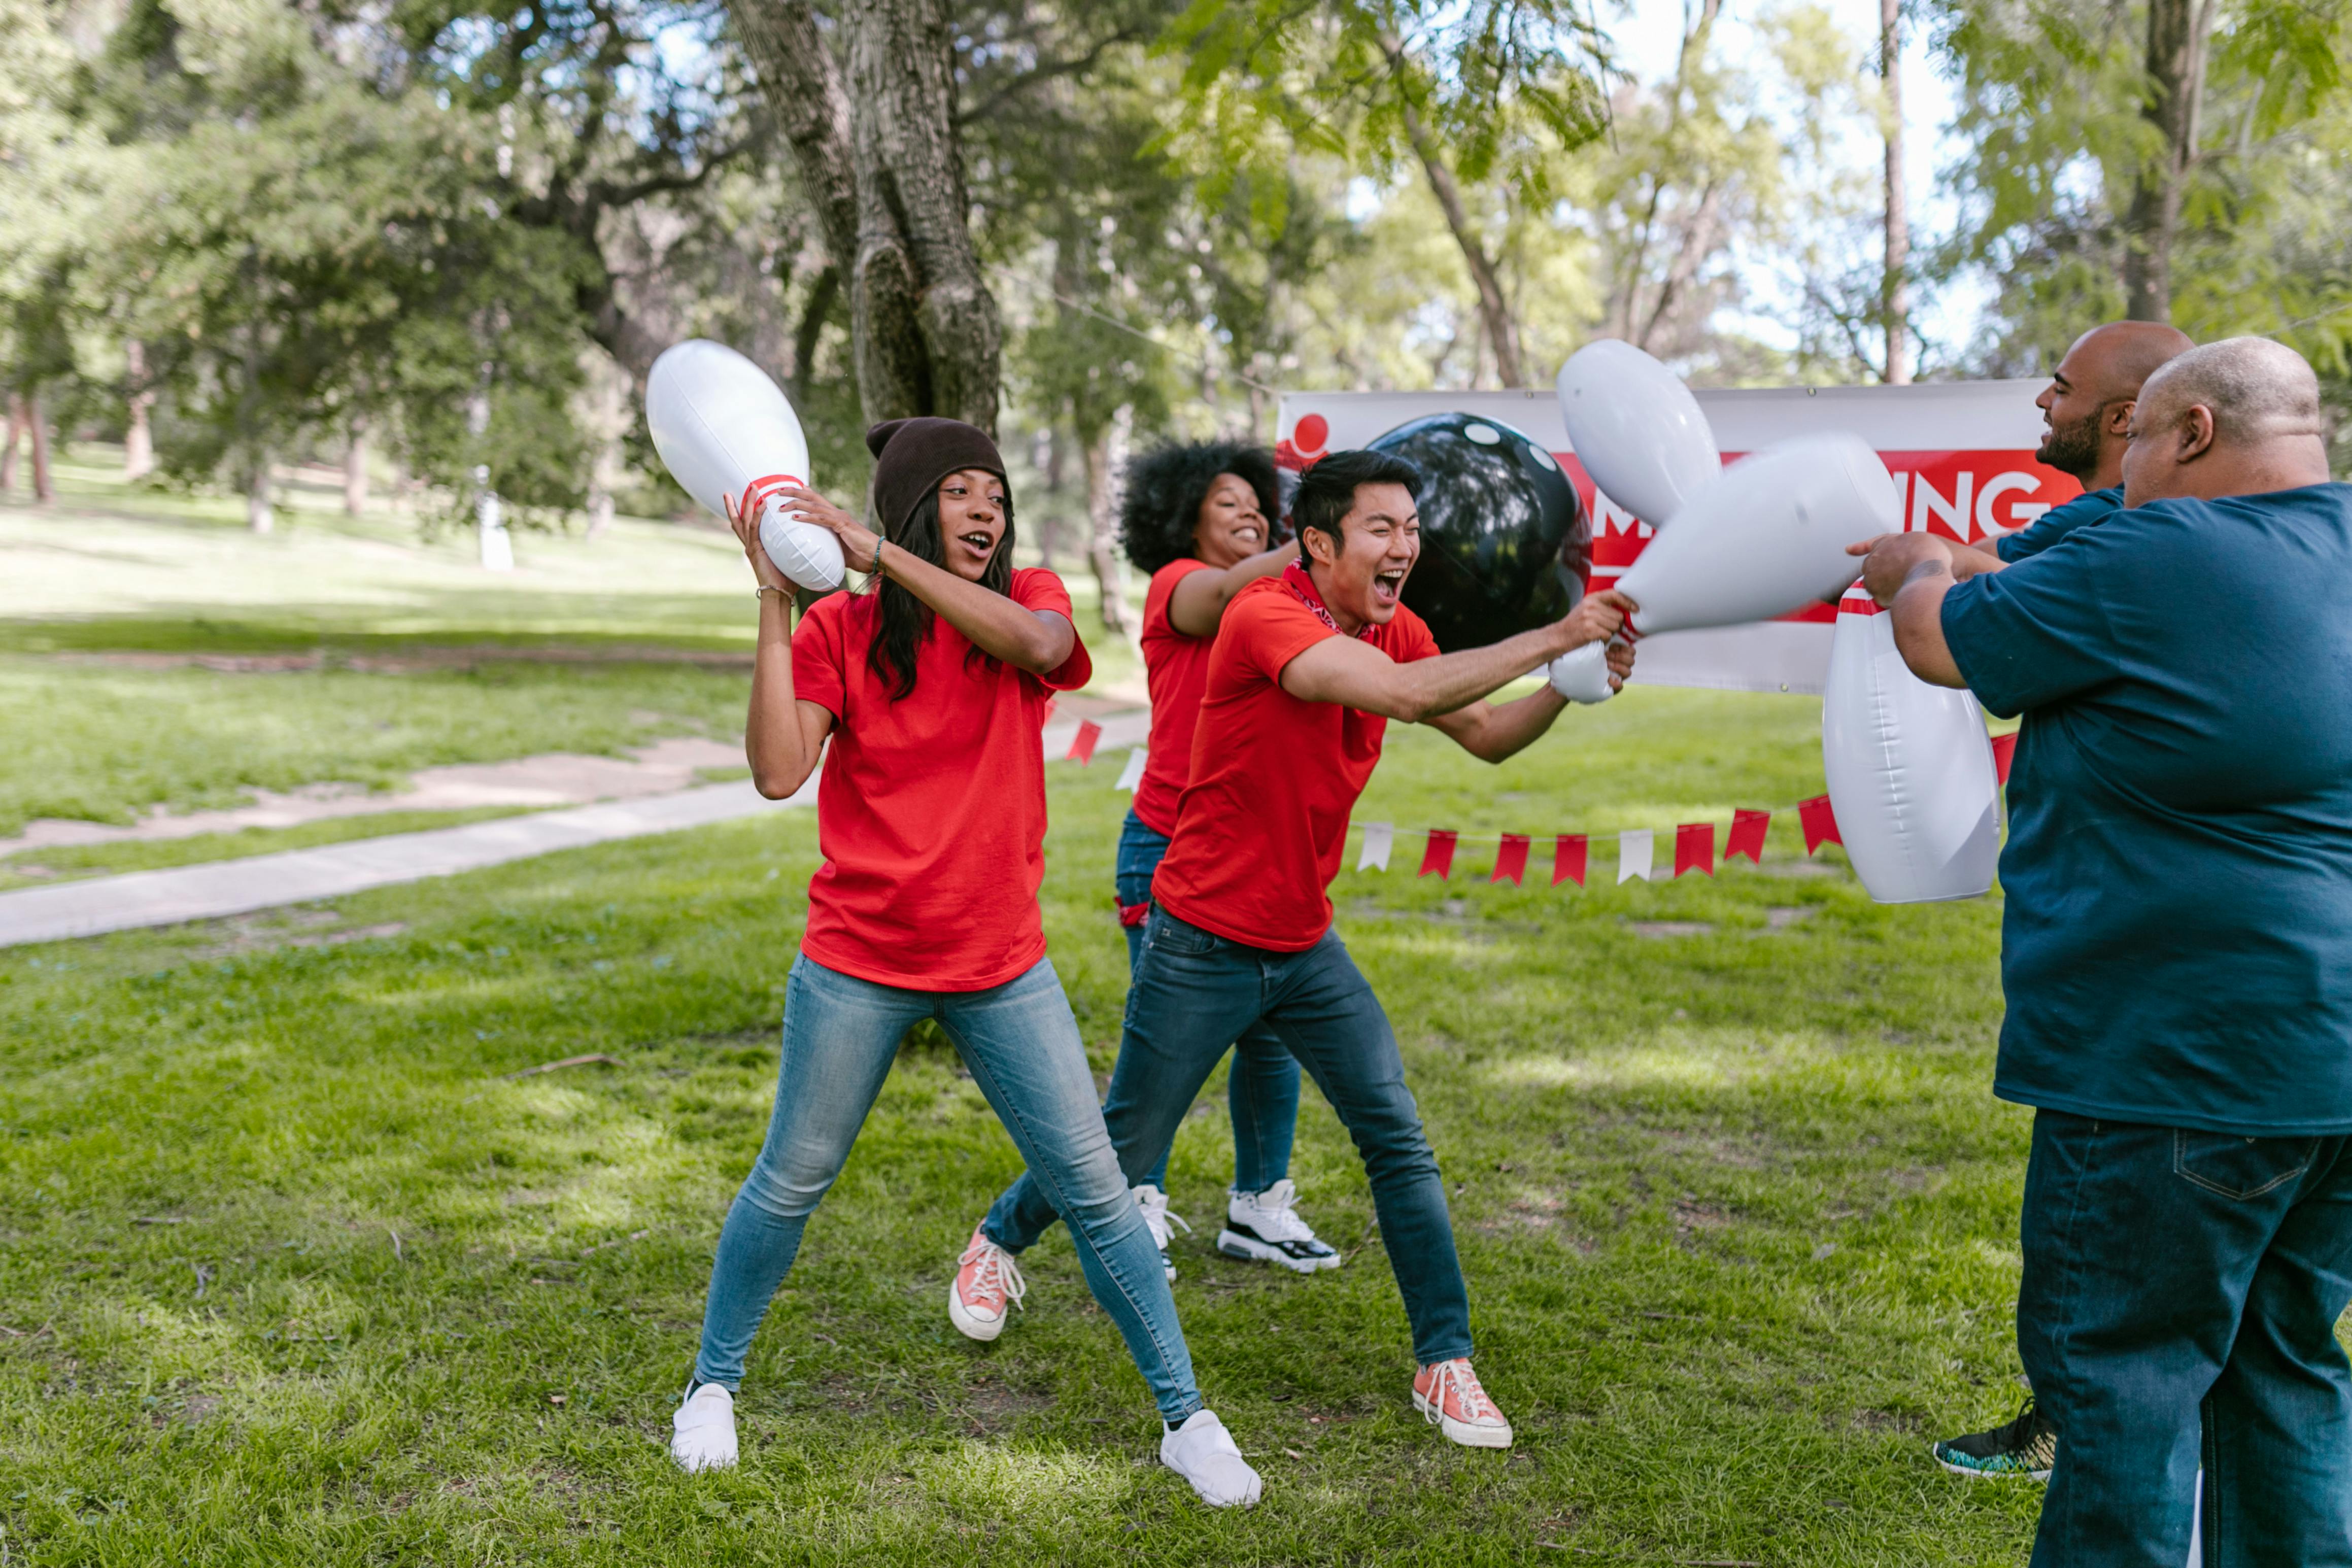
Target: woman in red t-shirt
1199, 519
930, 687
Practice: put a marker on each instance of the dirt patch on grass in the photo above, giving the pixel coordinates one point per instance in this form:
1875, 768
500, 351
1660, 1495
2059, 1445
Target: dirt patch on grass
304, 925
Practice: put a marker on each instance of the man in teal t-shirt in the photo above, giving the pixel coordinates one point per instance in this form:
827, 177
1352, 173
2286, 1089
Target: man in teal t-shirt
2177, 953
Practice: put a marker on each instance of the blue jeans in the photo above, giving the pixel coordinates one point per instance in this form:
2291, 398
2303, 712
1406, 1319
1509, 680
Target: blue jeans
1261, 1090
1194, 994
1021, 1046
2179, 1304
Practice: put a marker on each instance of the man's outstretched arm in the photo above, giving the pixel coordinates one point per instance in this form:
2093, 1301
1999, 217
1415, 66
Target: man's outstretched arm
1492, 732
1908, 574
1356, 675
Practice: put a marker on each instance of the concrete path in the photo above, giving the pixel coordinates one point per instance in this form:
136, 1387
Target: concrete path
139, 899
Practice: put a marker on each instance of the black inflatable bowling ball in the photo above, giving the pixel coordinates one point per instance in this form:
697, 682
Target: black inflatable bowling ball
1506, 546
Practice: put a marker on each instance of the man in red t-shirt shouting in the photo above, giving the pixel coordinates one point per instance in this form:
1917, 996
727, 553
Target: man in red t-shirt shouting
1307, 669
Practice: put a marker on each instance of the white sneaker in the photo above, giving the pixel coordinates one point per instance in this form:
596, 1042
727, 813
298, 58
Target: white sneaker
1162, 1224
1265, 1228
1449, 1394
1202, 1452
702, 1432
987, 1286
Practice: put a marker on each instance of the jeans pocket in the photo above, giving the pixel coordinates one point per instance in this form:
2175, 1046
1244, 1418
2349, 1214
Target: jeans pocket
2238, 1168
1171, 935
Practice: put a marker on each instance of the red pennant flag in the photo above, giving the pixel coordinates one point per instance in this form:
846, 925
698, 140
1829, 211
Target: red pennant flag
1747, 835
1819, 823
1511, 859
2003, 747
1437, 858
1694, 847
1568, 860
1082, 744
1051, 703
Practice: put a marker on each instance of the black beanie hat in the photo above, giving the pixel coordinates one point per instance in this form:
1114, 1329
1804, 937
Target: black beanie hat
912, 456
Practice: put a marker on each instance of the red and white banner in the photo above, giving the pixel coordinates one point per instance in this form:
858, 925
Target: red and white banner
1962, 454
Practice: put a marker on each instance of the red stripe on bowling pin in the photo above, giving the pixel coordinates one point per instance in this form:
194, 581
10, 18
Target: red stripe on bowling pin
1858, 602
756, 493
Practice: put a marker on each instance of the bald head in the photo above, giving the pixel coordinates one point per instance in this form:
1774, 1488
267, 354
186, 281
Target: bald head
2237, 417
2087, 405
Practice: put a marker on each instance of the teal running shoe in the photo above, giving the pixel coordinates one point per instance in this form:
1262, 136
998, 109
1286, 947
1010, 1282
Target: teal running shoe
2023, 1448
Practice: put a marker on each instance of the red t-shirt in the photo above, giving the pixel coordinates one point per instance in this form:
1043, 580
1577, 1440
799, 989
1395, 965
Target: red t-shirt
931, 813
1176, 668
1264, 821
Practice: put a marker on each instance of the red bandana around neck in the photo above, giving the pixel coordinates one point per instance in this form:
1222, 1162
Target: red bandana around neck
1296, 578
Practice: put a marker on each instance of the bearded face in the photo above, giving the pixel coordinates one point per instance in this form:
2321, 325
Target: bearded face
2074, 448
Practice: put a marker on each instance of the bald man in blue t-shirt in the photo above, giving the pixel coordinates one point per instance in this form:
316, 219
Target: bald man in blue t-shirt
2176, 955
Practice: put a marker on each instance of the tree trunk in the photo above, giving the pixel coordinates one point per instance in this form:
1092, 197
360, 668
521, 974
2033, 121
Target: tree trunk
2176, 35
37, 422
258, 514
17, 423
877, 155
915, 250
1894, 285
811, 330
139, 436
1106, 460
1502, 331
356, 472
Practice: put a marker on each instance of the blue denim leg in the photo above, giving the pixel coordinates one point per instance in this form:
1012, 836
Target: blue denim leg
840, 1036
1183, 1010
1023, 1047
1319, 1005
1261, 1090
2178, 1301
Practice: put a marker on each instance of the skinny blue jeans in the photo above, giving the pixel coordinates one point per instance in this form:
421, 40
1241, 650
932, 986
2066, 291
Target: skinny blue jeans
1261, 1090
1194, 994
2178, 1306
1021, 1046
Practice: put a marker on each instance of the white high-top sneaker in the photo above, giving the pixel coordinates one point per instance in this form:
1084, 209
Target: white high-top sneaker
1265, 1228
1161, 1223
702, 1432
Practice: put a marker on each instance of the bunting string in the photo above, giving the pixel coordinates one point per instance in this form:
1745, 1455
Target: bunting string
1693, 843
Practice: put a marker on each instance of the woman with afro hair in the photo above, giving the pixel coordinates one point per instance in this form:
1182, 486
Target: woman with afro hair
1201, 518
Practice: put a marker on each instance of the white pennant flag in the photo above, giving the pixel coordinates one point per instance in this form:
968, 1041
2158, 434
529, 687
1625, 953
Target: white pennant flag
1635, 846
1131, 774
1378, 837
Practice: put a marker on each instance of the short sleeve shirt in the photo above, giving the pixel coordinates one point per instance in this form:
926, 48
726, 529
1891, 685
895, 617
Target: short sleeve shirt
932, 811
1176, 669
2092, 507
2177, 944
1263, 823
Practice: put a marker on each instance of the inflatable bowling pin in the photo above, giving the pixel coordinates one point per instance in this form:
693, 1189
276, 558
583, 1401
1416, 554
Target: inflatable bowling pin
1582, 674
1766, 536
1637, 429
1909, 766
724, 430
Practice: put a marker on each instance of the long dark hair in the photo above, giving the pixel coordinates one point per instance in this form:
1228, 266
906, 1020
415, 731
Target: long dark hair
906, 620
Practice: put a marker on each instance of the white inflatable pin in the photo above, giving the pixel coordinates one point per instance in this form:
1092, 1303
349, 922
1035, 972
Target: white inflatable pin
1637, 429
726, 431
1766, 536
1909, 767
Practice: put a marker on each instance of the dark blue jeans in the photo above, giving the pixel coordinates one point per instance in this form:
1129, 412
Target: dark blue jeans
2179, 1304
1261, 1090
1194, 994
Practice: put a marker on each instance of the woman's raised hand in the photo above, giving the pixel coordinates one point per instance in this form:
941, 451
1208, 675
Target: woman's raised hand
747, 530
860, 545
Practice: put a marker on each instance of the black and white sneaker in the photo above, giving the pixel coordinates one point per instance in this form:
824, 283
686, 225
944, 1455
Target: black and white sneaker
1265, 1227
1160, 1223
2023, 1448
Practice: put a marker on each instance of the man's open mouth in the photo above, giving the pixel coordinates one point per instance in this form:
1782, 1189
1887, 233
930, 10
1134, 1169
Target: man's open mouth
1387, 585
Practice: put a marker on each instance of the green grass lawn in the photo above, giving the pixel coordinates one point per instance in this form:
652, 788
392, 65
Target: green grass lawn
294, 1273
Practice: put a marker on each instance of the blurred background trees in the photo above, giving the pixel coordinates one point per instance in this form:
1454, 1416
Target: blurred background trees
450, 241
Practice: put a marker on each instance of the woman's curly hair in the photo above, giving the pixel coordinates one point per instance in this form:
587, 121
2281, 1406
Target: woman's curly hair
1165, 489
